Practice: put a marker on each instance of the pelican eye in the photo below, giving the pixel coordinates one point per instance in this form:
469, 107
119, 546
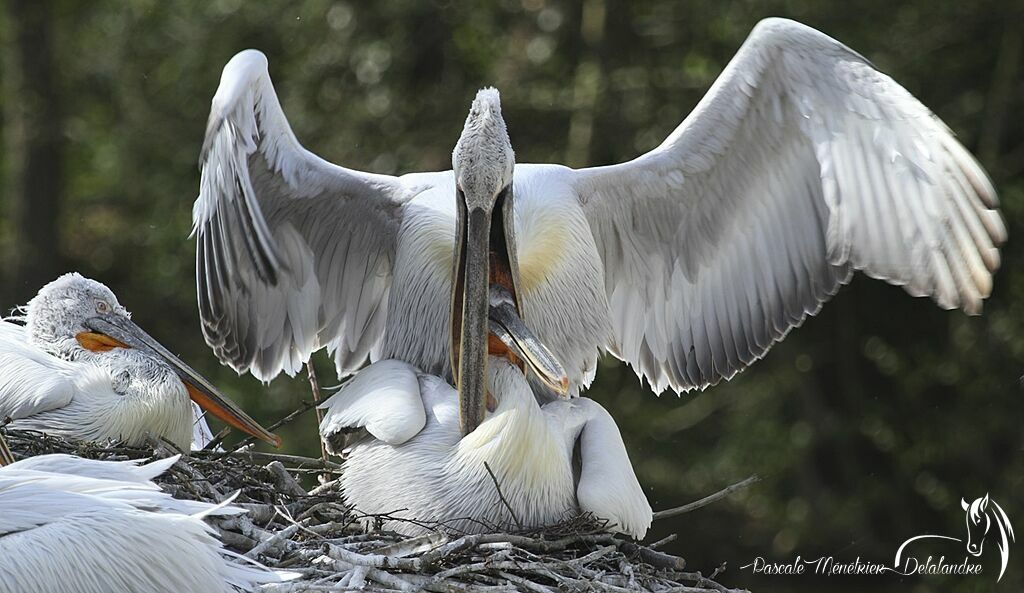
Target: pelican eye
102, 307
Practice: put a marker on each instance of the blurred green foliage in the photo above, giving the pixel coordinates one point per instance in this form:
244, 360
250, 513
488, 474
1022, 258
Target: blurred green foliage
868, 424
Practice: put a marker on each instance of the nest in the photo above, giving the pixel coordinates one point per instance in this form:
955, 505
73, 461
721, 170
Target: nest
313, 533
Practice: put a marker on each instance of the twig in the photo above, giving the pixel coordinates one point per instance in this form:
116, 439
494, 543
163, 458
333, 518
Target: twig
303, 408
525, 584
653, 557
372, 560
6, 457
706, 583
686, 508
264, 457
218, 439
416, 545
342, 559
328, 487
163, 449
284, 481
497, 487
517, 565
314, 386
542, 546
281, 536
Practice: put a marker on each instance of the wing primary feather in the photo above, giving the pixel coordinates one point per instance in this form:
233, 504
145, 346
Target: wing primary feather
801, 164
272, 278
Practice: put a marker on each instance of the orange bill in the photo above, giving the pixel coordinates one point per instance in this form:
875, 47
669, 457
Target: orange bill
112, 330
230, 415
97, 342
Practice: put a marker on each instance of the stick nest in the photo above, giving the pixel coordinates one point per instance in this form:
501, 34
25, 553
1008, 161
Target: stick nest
315, 534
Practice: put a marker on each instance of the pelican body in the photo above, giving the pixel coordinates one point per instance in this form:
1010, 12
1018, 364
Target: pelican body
71, 525
417, 466
430, 462
802, 164
81, 369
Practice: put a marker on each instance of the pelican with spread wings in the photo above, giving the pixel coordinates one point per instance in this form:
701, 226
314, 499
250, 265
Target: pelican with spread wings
802, 164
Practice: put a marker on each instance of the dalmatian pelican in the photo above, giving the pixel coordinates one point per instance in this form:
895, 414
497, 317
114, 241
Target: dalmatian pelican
81, 369
526, 465
73, 525
802, 164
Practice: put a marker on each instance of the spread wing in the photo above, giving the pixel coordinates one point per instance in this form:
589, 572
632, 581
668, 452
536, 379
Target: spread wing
802, 164
293, 253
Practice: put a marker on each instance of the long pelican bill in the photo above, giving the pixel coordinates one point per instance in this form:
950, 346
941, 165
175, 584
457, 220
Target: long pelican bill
109, 331
485, 248
470, 324
485, 303
508, 327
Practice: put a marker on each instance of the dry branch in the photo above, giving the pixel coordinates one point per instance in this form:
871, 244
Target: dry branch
686, 508
314, 386
6, 457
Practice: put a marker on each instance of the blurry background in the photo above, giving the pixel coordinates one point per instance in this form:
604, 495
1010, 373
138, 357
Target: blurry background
867, 424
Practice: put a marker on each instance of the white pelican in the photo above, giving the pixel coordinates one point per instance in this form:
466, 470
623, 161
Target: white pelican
550, 461
72, 525
81, 369
802, 164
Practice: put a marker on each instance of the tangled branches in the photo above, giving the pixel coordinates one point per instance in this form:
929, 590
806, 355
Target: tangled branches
327, 543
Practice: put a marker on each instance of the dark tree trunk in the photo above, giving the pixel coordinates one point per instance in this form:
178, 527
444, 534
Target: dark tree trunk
588, 83
33, 146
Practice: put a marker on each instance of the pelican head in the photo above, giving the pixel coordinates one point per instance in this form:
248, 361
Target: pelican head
485, 257
483, 159
75, 318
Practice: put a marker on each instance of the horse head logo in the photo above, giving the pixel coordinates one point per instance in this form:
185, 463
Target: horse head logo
982, 515
978, 523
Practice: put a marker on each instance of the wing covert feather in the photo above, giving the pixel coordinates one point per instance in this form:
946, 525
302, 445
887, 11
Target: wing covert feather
802, 164
293, 253
32, 381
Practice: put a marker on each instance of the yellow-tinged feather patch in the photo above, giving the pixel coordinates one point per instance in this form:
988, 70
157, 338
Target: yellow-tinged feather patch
515, 442
540, 252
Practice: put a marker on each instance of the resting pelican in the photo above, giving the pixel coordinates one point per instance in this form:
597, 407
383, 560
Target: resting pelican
802, 164
72, 525
550, 461
81, 369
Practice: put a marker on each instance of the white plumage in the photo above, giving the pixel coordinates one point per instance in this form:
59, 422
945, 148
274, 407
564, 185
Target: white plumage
416, 465
50, 383
60, 377
201, 433
802, 164
71, 525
